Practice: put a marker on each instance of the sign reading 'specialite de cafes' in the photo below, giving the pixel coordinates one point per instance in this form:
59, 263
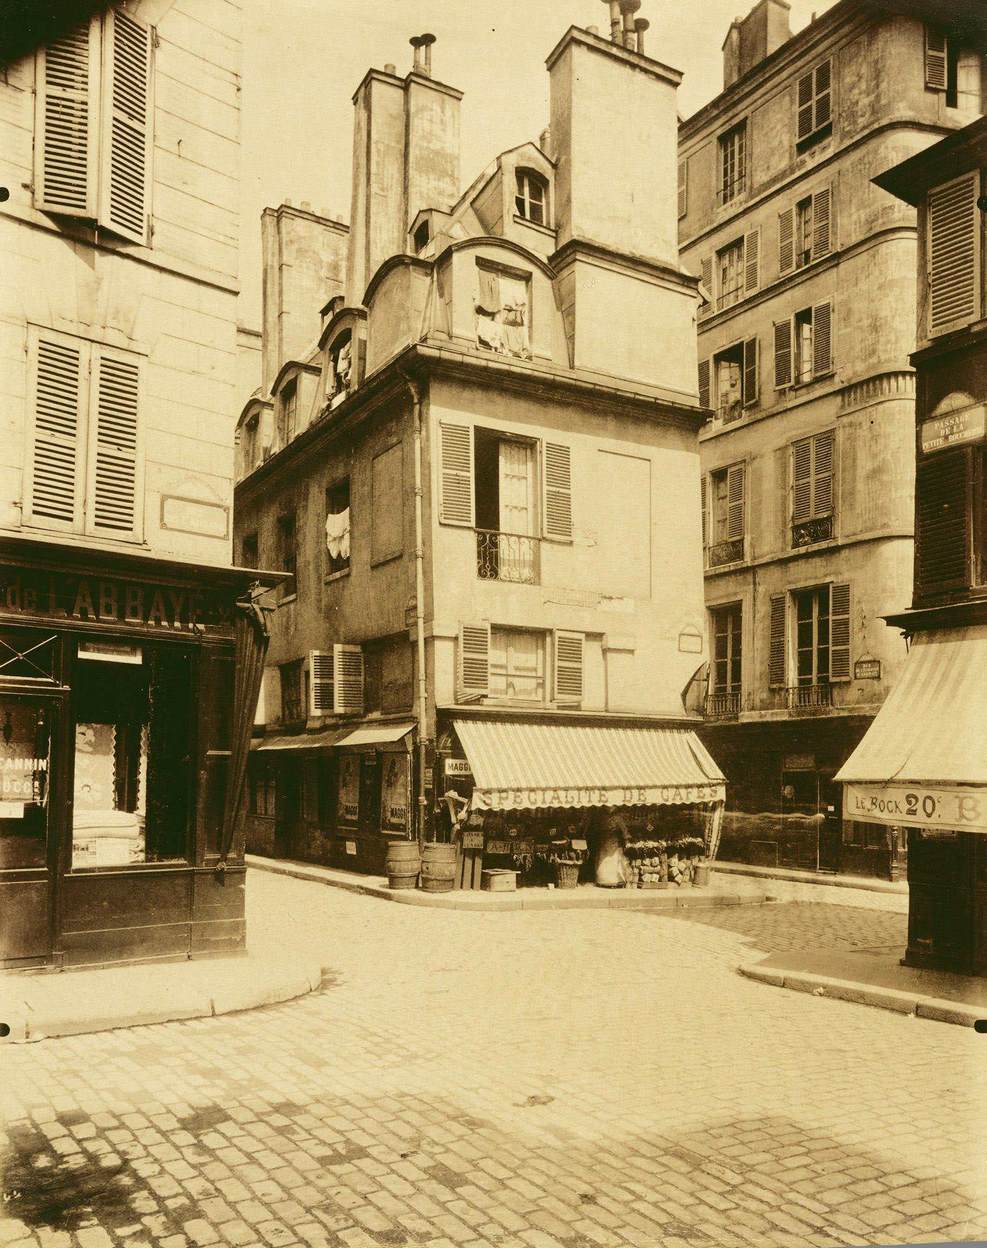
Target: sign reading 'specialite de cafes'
113, 602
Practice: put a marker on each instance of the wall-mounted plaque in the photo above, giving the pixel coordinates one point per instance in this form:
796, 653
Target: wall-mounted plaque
867, 669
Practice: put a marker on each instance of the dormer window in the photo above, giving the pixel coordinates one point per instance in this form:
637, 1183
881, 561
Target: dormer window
531, 198
422, 237
502, 313
340, 378
288, 412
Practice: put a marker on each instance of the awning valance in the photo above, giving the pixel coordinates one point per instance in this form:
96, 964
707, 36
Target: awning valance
527, 765
376, 734
920, 762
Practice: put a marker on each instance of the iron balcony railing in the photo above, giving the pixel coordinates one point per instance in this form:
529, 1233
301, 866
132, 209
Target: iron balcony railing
506, 557
722, 705
731, 551
806, 697
808, 532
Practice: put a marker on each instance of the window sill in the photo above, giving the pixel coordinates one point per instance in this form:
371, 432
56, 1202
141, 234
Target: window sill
286, 598
337, 576
547, 230
383, 559
811, 140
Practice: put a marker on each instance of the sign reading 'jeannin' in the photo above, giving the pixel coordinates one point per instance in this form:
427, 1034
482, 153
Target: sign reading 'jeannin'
92, 600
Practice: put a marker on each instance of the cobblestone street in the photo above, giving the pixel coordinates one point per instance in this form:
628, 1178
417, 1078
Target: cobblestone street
806, 925
570, 1078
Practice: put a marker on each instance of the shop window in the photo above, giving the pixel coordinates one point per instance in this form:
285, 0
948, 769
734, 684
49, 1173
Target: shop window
812, 489
733, 163
338, 522
517, 665
348, 790
86, 450
288, 411
292, 703
503, 310
132, 765
531, 196
263, 792
814, 112
804, 346
723, 528
288, 553
94, 122
25, 771
249, 551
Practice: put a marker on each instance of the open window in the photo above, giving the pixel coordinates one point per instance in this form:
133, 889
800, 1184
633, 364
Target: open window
340, 377
804, 346
503, 312
735, 379
724, 515
805, 231
338, 523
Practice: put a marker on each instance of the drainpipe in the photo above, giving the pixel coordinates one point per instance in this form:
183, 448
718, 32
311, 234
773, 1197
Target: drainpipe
416, 400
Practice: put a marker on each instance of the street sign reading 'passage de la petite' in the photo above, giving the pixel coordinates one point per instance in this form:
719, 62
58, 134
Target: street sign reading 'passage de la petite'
947, 807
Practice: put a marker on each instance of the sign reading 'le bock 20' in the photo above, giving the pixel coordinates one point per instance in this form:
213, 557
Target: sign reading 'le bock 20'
106, 601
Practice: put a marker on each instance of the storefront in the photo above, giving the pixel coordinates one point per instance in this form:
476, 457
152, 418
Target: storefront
124, 726
337, 797
593, 799
922, 770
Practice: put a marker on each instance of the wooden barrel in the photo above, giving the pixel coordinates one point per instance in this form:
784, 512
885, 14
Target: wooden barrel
403, 862
438, 867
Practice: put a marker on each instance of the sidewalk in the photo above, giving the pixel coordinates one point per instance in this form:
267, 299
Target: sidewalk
585, 897
876, 977
865, 892
43, 1005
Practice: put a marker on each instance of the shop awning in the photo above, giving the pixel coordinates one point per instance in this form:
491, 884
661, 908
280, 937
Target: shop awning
376, 734
303, 741
522, 765
920, 762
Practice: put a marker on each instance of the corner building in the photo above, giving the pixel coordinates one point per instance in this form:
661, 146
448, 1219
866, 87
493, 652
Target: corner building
807, 458
118, 608
485, 486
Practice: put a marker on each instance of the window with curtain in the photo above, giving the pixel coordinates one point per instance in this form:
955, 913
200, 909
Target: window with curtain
517, 664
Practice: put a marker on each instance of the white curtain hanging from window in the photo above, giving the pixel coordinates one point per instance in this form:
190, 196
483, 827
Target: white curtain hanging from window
338, 534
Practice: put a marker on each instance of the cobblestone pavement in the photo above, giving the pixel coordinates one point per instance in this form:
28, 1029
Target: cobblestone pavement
529, 1079
796, 925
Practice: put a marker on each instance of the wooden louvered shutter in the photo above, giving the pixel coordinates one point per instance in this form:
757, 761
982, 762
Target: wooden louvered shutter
839, 632
66, 149
558, 491
822, 230
347, 672
823, 90
822, 473
953, 254
751, 383
704, 383
804, 124
786, 240
321, 683
456, 472
802, 481
568, 669
60, 404
703, 496
942, 528
125, 164
935, 60
735, 501
752, 261
783, 354
113, 493
822, 339
706, 277
474, 661
776, 643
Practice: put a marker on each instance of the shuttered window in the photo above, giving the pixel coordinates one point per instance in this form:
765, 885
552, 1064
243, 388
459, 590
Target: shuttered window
752, 261
456, 470
805, 231
558, 491
751, 384
735, 501
953, 254
568, 669
320, 683
804, 346
777, 642
814, 110
93, 125
935, 60
336, 680
783, 354
704, 383
942, 529
812, 477
473, 662
85, 465
839, 632
706, 281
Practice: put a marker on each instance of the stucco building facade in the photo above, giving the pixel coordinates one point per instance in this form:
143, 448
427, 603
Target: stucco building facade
808, 279
485, 487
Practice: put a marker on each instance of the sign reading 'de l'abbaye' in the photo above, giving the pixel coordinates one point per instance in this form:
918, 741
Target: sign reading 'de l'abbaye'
113, 602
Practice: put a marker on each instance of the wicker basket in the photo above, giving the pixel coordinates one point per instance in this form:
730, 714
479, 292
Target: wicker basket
567, 874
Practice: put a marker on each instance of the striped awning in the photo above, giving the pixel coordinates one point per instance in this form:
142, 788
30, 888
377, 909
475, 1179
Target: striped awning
531, 765
920, 762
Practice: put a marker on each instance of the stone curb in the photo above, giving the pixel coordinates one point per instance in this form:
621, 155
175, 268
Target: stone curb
31, 1018
493, 903
935, 1008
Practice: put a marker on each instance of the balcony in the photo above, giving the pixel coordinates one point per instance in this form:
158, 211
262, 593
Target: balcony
804, 699
808, 532
720, 553
723, 705
506, 557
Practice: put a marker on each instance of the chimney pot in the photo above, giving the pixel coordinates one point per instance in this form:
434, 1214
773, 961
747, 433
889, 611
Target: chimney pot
629, 8
615, 22
641, 24
390, 68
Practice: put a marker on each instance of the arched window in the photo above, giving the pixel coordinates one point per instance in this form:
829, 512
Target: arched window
531, 196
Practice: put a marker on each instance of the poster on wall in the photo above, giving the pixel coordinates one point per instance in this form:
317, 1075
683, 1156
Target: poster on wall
348, 805
394, 792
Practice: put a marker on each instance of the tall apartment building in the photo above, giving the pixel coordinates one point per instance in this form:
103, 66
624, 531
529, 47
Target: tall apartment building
808, 277
118, 365
485, 486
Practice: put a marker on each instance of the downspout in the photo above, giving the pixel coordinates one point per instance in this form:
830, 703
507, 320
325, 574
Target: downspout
416, 401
